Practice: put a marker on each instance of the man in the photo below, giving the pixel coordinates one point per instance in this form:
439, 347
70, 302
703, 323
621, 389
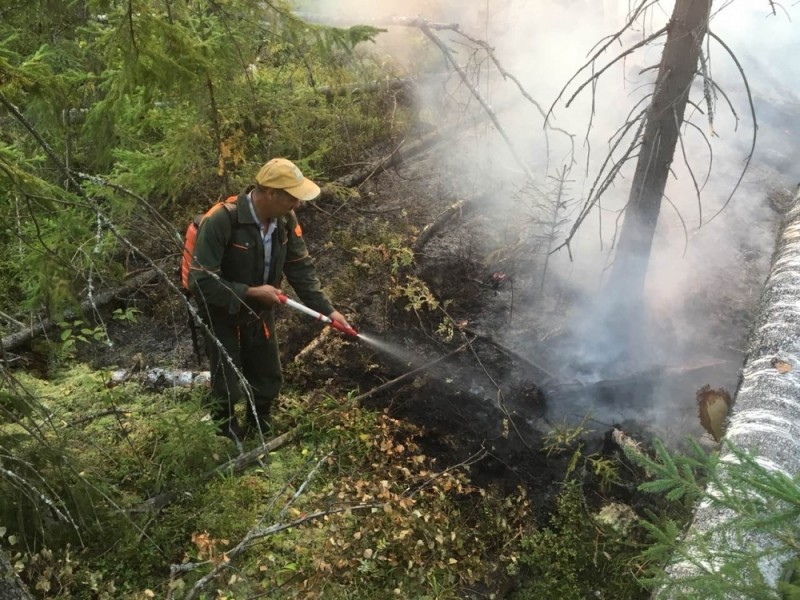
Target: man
241, 253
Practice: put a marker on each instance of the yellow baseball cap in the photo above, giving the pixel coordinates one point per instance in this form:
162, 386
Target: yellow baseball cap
282, 174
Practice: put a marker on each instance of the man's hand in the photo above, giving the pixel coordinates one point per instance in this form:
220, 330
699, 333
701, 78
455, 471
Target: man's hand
265, 294
339, 317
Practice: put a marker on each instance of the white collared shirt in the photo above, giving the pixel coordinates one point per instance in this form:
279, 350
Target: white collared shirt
266, 235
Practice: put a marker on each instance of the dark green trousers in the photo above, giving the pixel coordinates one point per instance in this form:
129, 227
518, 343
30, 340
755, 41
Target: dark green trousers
252, 346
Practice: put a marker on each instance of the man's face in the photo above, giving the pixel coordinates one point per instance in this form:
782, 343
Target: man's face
282, 203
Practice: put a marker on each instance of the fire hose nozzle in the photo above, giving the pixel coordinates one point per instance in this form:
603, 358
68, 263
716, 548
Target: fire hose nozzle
317, 315
343, 328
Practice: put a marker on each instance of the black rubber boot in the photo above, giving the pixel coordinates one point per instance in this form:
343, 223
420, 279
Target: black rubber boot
264, 422
231, 429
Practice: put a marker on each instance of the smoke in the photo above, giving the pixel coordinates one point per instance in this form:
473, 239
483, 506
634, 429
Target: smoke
700, 273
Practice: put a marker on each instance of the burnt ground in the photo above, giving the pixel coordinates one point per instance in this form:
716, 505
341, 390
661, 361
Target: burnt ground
522, 375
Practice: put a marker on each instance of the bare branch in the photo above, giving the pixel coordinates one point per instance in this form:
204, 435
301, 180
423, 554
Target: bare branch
633, 15
707, 89
601, 183
610, 40
710, 151
615, 60
689, 168
730, 104
436, 225
404, 376
152, 210
32, 492
506, 75
467, 462
683, 224
256, 534
630, 118
426, 29
752, 114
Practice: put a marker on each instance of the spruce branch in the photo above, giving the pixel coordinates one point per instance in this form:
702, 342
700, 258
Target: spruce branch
122, 238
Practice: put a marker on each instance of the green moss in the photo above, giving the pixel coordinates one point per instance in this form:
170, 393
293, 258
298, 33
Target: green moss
574, 558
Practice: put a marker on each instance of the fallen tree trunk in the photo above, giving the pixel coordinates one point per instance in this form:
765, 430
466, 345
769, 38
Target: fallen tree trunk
159, 379
648, 376
765, 424
437, 225
400, 154
18, 338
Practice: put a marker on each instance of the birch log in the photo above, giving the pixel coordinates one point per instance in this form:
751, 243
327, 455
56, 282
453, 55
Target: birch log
765, 421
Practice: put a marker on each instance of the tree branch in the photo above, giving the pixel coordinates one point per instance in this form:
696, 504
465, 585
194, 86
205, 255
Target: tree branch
595, 76
752, 114
643, 5
258, 532
426, 29
506, 75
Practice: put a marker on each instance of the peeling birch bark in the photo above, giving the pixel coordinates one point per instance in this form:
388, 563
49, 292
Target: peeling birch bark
158, 378
765, 420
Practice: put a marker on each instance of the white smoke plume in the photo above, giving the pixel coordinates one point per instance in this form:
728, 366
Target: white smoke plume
694, 269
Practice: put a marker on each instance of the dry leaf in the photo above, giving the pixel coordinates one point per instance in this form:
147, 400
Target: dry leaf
712, 408
781, 366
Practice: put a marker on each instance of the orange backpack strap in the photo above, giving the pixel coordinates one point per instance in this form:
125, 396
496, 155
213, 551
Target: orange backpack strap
190, 237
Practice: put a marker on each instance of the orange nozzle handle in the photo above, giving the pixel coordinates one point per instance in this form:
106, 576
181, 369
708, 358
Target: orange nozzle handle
343, 328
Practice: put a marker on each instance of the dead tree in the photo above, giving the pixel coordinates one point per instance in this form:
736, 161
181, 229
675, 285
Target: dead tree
685, 34
651, 135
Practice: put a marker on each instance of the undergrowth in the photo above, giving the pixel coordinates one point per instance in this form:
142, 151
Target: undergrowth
122, 505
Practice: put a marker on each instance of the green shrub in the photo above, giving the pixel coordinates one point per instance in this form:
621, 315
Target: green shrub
574, 557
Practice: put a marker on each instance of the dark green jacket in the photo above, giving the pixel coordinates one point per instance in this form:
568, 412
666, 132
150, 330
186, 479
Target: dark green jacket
229, 258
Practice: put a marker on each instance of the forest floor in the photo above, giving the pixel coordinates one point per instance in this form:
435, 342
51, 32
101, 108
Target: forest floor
514, 389
497, 381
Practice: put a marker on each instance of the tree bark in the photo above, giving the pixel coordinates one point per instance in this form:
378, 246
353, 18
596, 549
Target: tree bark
685, 32
765, 421
11, 588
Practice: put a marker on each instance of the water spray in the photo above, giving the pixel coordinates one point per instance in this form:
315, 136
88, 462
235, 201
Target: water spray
318, 316
396, 351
